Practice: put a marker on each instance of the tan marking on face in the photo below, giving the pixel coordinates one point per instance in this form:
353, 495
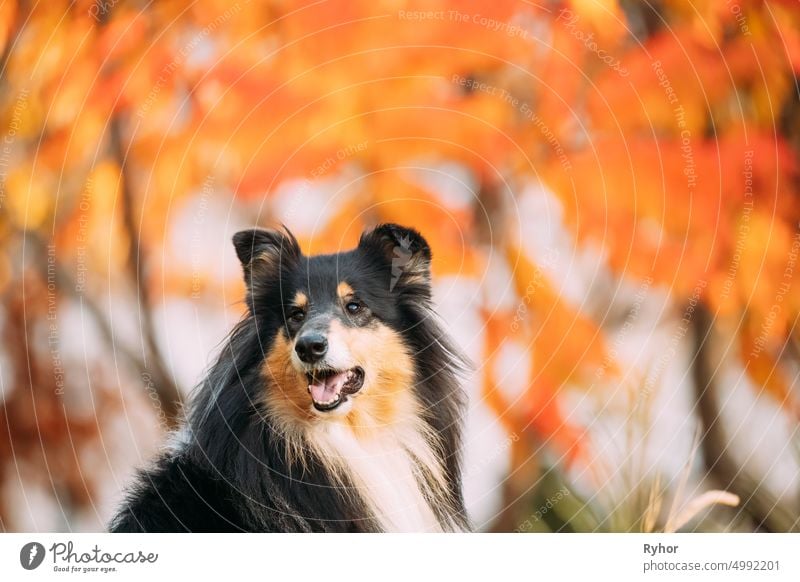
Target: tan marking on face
383, 423
385, 399
300, 300
386, 396
344, 290
287, 389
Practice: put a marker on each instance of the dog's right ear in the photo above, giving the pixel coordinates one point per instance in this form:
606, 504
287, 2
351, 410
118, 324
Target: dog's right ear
407, 253
263, 252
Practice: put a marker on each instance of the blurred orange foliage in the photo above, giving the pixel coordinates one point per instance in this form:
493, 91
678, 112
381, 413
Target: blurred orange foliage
667, 136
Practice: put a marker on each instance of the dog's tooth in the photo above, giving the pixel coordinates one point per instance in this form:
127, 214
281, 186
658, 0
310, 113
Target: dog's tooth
328, 402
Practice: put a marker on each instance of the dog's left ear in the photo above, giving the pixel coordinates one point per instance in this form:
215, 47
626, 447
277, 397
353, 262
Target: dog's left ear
406, 251
263, 253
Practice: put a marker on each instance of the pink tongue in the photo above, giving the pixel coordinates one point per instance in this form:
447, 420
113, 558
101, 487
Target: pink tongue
328, 388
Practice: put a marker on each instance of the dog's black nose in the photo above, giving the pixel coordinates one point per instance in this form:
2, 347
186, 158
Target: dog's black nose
311, 347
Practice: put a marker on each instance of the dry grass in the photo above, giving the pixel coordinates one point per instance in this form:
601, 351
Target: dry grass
645, 493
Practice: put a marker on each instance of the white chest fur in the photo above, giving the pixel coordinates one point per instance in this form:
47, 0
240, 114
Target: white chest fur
384, 474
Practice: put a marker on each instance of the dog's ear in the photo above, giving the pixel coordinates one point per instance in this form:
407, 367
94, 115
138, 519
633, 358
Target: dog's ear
406, 251
263, 252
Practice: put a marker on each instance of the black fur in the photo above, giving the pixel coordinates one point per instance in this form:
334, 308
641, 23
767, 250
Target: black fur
230, 474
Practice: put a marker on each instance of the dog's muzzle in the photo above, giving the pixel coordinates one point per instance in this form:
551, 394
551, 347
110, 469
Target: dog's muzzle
330, 388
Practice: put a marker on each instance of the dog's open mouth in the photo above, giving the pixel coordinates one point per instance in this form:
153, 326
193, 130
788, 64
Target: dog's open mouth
330, 388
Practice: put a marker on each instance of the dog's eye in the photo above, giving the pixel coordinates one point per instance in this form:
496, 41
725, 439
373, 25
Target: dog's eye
354, 307
297, 315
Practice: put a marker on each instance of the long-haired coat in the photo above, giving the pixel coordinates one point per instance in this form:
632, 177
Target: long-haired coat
334, 405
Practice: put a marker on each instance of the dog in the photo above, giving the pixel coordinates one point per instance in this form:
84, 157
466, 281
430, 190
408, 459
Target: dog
334, 406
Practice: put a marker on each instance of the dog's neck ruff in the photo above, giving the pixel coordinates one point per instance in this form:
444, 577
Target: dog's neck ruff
386, 472
396, 470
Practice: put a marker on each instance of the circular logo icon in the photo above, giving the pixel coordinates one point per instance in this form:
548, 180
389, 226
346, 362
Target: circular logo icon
31, 555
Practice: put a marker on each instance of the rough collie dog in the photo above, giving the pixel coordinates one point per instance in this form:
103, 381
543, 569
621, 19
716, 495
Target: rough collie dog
334, 405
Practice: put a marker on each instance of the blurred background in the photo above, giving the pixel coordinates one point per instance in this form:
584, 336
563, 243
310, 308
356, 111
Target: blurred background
610, 189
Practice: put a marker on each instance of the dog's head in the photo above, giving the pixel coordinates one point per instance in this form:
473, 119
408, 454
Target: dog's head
336, 327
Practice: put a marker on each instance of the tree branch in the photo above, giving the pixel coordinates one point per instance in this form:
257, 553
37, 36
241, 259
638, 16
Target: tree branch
65, 282
767, 511
166, 389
